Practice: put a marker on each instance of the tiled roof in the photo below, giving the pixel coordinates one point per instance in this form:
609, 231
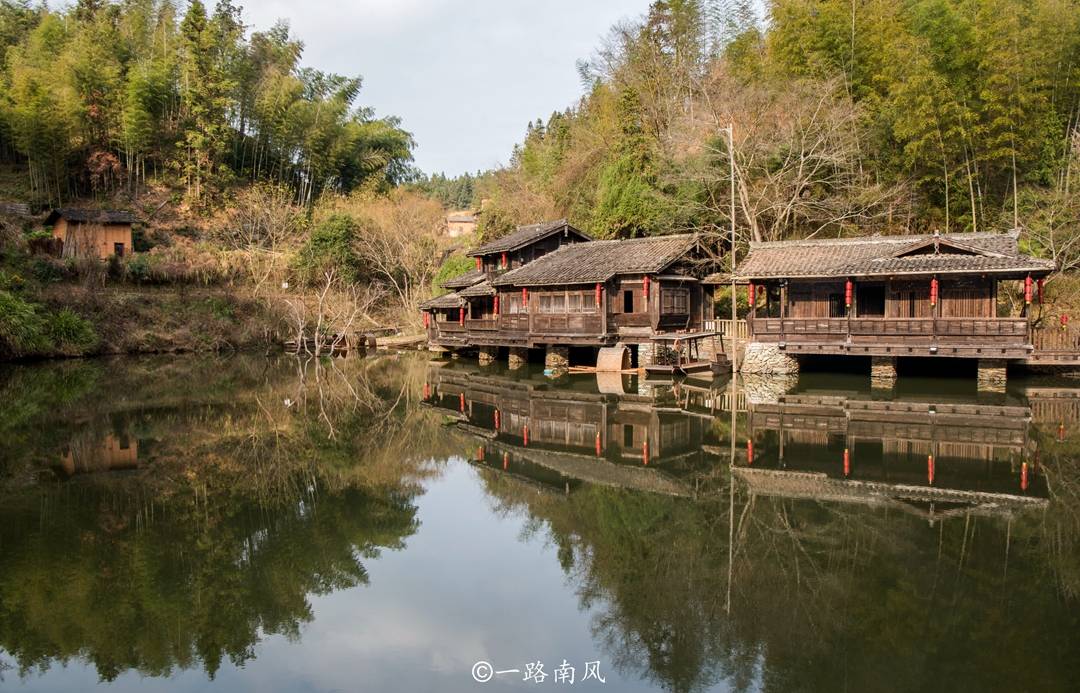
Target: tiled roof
461, 281
484, 288
524, 235
450, 300
889, 255
598, 261
100, 216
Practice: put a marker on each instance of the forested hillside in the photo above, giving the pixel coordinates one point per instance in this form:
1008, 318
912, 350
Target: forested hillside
850, 116
105, 96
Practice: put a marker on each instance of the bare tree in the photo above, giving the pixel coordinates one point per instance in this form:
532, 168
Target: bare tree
259, 229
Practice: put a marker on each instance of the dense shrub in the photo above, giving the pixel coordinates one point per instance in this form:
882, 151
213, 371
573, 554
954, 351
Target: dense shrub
68, 330
22, 329
330, 248
454, 266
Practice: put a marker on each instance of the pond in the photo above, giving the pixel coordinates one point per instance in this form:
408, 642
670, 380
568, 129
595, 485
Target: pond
243, 523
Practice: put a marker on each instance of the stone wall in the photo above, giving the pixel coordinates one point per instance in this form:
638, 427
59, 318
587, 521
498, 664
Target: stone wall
762, 357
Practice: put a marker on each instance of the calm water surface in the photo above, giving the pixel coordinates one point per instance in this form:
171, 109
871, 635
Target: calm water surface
383, 524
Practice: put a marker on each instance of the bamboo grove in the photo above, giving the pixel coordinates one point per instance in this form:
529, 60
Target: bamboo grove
101, 97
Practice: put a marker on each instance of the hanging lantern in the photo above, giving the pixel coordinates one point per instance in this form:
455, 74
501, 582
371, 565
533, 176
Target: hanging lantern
496, 419
1027, 290
524, 298
751, 290
496, 305
930, 469
525, 435
849, 289
480, 453
749, 451
1024, 476
461, 402
1064, 321
645, 288
504, 259
479, 264
847, 463
427, 320
506, 460
1039, 286
599, 293
645, 452
461, 315
427, 390
598, 448
933, 291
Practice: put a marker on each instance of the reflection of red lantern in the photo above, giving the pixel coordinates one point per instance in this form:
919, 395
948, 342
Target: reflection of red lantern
847, 462
496, 419
1061, 432
933, 291
749, 451
599, 293
525, 435
461, 402
598, 443
750, 291
480, 453
506, 460
848, 291
1039, 286
930, 469
496, 305
1024, 476
645, 452
427, 390
1027, 289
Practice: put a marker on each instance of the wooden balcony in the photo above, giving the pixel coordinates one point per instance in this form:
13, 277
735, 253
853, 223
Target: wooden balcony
964, 337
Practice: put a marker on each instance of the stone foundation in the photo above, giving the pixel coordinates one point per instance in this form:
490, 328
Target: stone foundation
487, 355
765, 388
519, 356
557, 358
992, 375
646, 354
763, 357
882, 371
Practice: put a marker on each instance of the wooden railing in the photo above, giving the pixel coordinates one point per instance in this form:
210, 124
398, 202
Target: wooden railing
1049, 339
726, 327
482, 323
996, 330
567, 323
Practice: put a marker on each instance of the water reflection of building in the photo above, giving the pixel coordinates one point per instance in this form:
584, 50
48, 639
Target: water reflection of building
111, 452
534, 428
850, 447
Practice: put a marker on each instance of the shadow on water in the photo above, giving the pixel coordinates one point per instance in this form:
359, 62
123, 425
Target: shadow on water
806, 533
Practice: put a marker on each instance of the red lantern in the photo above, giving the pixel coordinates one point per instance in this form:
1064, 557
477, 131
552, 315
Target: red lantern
496, 305
1064, 321
933, 291
461, 402
849, 289
427, 390
847, 462
504, 259
1039, 285
427, 320
461, 315
749, 451
1027, 289
751, 290
598, 449
1024, 476
930, 469
480, 453
506, 460
524, 298
599, 293
525, 435
645, 452
478, 263
645, 288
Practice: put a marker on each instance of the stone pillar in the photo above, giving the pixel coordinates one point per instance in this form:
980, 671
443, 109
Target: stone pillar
766, 357
882, 371
557, 358
646, 354
992, 375
519, 356
487, 355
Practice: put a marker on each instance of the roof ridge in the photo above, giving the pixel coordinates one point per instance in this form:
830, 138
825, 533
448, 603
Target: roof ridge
882, 239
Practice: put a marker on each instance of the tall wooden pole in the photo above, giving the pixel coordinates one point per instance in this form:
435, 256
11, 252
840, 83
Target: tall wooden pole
731, 253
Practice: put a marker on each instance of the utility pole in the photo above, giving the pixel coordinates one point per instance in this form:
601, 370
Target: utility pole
730, 129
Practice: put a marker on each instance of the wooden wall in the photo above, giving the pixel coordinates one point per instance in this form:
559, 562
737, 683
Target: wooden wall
967, 297
92, 240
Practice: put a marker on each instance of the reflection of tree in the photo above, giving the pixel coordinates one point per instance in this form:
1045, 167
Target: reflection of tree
259, 483
824, 595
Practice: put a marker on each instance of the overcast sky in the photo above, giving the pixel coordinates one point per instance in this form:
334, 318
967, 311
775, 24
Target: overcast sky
465, 76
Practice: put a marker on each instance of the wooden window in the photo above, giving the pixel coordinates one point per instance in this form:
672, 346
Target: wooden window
573, 302
628, 301
836, 306
675, 301
553, 303
870, 301
512, 303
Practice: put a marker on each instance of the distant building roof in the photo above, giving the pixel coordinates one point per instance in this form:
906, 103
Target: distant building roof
450, 300
524, 235
16, 209
484, 288
598, 261
461, 281
888, 255
99, 216
461, 218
